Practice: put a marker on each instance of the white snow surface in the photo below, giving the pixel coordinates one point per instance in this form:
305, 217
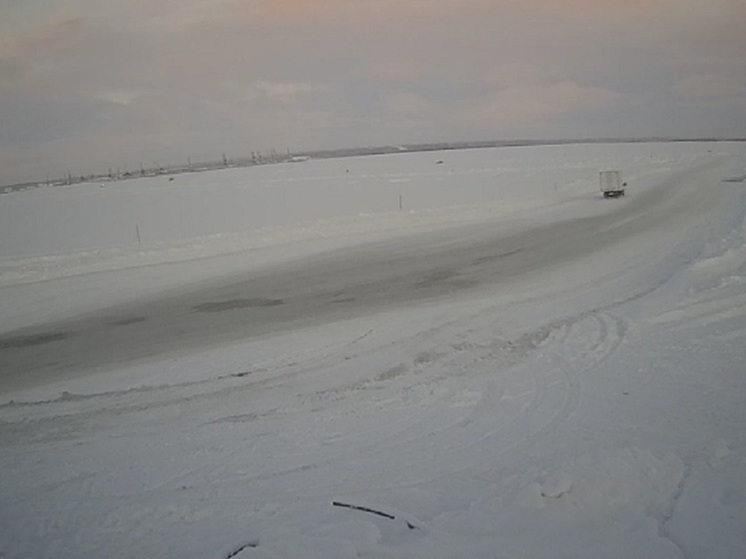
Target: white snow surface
578, 395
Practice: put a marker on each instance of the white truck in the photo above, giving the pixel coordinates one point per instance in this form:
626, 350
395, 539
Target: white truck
611, 184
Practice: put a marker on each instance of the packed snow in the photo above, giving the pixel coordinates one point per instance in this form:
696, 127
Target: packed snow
434, 355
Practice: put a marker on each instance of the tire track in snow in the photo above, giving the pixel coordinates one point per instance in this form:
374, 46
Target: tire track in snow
537, 413
462, 442
558, 364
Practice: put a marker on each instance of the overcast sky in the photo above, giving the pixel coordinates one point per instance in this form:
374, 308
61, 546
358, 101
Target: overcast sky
88, 85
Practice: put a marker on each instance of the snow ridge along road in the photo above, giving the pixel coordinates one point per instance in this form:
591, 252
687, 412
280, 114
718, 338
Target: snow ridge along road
567, 381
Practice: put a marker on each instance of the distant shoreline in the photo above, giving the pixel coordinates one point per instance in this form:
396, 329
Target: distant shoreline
338, 153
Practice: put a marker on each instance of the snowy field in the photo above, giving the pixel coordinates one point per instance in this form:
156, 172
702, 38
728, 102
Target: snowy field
432, 355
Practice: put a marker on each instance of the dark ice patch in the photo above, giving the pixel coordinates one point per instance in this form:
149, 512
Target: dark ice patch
126, 321
493, 257
232, 304
736, 179
434, 278
32, 339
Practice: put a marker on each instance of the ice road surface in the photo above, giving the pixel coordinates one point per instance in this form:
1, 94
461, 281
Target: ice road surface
382, 356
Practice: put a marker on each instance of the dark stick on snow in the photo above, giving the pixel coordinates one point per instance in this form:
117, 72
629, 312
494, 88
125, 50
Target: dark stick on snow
240, 549
364, 509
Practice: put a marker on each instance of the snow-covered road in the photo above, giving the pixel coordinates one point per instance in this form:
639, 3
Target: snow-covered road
561, 381
363, 279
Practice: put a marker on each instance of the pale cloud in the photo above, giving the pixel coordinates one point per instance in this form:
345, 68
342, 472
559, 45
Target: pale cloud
327, 13
407, 103
515, 75
611, 13
533, 106
50, 36
404, 68
288, 92
122, 97
709, 86
303, 13
519, 104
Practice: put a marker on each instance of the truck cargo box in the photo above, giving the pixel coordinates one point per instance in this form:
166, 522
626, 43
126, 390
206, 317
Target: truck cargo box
611, 184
